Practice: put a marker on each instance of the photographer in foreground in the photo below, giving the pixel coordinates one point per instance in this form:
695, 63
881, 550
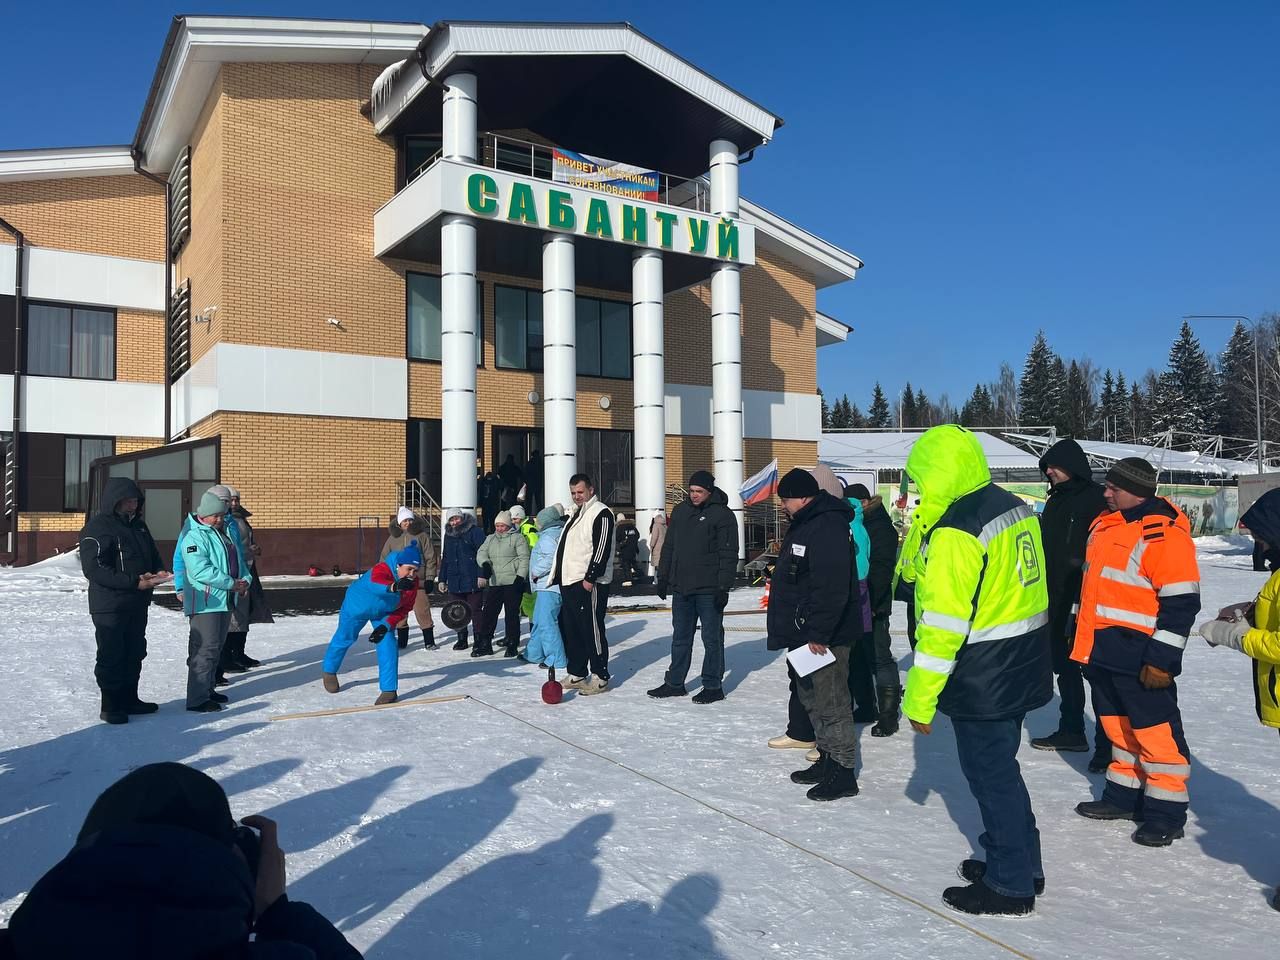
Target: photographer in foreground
161, 870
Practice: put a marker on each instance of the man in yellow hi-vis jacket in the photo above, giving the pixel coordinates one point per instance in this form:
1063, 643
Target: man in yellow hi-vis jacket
982, 654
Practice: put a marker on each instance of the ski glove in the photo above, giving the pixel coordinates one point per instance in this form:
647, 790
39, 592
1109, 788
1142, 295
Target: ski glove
405, 583
428, 586
663, 586
379, 632
1153, 678
722, 600
1225, 633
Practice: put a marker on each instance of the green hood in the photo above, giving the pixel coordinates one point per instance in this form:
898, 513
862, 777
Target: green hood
946, 463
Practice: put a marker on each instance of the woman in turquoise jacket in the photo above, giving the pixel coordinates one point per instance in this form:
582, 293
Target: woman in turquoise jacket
215, 575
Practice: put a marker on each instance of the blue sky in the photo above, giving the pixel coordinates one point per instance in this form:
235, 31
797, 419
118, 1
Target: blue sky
1097, 169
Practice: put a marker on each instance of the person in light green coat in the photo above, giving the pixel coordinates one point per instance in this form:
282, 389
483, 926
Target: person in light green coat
504, 563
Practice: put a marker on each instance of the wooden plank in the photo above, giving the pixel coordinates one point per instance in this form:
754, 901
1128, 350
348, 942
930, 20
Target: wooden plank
339, 711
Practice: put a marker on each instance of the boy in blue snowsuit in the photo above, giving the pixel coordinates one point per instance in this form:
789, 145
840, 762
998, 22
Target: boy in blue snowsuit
383, 596
546, 646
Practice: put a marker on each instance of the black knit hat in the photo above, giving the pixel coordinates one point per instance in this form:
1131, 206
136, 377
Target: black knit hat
857, 491
170, 794
798, 483
1134, 475
703, 479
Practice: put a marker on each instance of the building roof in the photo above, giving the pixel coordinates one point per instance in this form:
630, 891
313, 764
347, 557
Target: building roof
59, 162
888, 450
198, 45
831, 330
606, 88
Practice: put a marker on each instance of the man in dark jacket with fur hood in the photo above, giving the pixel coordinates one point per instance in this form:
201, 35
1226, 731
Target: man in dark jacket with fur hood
120, 560
699, 563
1074, 502
814, 602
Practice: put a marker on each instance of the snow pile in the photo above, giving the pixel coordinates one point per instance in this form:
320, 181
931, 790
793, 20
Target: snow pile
623, 827
1225, 545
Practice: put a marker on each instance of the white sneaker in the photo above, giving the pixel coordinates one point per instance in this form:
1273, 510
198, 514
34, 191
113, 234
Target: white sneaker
593, 685
786, 743
572, 683
814, 755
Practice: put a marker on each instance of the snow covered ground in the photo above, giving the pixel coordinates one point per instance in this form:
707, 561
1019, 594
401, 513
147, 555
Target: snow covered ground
618, 826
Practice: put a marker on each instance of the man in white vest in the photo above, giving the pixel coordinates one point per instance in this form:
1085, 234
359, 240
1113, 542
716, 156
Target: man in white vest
584, 570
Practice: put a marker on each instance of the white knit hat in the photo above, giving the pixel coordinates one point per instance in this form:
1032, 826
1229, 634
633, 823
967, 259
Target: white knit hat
403, 514
517, 513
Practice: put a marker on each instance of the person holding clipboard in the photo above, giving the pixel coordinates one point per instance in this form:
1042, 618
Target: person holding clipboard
814, 614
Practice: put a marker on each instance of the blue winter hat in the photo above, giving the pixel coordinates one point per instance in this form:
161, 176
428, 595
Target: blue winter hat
549, 517
410, 554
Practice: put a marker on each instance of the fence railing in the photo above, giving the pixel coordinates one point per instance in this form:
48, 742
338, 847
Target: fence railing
535, 160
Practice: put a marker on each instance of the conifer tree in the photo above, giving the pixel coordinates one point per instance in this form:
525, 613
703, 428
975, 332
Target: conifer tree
1186, 395
878, 412
1236, 406
1036, 389
826, 411
908, 403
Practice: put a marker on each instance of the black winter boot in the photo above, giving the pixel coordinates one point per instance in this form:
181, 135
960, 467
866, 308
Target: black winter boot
243, 657
462, 640
135, 707
429, 638
112, 710
402, 638
228, 662
235, 644
1101, 758
1105, 810
1157, 835
979, 899
667, 690
815, 773
975, 870
890, 700
840, 781
1062, 742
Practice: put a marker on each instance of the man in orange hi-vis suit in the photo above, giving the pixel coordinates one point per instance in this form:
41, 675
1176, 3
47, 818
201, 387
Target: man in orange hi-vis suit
1139, 600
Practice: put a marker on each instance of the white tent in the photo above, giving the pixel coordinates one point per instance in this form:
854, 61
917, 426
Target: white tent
887, 450
1161, 457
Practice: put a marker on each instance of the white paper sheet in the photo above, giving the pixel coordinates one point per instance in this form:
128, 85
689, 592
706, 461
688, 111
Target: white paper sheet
805, 662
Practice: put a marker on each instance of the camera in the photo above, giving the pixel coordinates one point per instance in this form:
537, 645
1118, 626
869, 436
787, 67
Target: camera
249, 843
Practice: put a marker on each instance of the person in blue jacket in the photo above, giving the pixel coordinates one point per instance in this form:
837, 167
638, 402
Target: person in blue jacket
383, 596
460, 571
546, 645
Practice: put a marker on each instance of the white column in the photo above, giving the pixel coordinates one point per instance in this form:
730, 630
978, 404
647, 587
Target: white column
726, 342
458, 312
559, 368
649, 388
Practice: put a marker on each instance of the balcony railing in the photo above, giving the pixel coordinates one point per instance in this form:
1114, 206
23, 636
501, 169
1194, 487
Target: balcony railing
535, 160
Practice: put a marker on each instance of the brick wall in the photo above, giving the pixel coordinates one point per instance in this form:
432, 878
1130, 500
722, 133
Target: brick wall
120, 216
139, 346
201, 257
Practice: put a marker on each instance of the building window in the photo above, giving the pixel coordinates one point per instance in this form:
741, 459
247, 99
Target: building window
419, 153
604, 338
422, 317
79, 453
68, 341
517, 316
605, 455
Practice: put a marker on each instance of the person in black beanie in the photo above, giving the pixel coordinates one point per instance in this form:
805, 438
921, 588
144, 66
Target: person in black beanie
161, 871
1075, 500
698, 565
813, 601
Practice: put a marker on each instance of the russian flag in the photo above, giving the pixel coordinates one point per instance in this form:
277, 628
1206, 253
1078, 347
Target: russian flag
762, 486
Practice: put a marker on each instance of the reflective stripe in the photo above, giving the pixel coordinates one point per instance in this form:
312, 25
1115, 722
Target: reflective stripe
1002, 631
1128, 616
1160, 793
1173, 769
1123, 779
1180, 588
1124, 576
1135, 556
1172, 639
1008, 519
1075, 608
934, 664
931, 618
1123, 755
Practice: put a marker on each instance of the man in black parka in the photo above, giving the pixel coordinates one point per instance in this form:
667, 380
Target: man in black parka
814, 602
120, 560
1074, 502
884, 557
698, 565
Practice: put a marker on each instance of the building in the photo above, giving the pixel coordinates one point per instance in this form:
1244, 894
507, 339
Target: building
344, 263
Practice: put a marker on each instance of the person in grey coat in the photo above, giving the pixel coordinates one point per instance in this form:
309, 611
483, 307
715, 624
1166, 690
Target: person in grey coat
504, 564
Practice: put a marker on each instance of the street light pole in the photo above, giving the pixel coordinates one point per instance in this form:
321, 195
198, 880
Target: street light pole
1257, 378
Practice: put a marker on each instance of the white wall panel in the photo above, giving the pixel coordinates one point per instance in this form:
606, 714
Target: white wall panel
92, 279
99, 407
6, 402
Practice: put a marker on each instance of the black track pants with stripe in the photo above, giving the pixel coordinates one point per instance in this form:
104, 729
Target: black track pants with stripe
582, 614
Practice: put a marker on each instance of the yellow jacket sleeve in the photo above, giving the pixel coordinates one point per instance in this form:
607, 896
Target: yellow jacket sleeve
944, 612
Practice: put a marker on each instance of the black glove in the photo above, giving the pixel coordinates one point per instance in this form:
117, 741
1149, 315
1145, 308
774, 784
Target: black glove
522, 584
722, 600
662, 589
428, 586
487, 570
379, 632
405, 583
